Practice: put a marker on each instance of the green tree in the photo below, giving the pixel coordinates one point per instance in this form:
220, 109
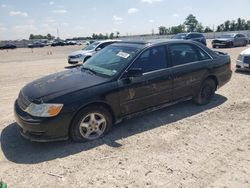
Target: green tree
191, 22
31, 36
239, 24
162, 30
208, 29
233, 26
199, 28
117, 34
220, 28
176, 29
227, 25
111, 36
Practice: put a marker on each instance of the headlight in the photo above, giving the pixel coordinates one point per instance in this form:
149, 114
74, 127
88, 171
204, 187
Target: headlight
44, 110
78, 56
240, 58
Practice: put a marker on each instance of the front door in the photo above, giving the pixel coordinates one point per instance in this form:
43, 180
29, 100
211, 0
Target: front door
153, 88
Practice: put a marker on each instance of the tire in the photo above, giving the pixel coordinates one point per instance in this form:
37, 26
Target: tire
90, 123
231, 45
206, 92
245, 44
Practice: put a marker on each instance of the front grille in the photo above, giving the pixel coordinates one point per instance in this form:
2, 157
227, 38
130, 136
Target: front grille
22, 101
219, 42
73, 57
247, 59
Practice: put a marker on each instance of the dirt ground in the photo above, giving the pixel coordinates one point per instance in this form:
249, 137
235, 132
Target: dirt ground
180, 146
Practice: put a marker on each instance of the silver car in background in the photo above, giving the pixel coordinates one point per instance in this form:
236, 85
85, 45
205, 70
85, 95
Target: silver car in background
83, 55
243, 61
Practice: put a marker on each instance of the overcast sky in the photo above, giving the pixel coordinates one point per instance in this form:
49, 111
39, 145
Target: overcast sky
19, 18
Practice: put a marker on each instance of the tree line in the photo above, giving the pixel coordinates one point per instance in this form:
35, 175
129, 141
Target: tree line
239, 24
48, 37
94, 36
191, 24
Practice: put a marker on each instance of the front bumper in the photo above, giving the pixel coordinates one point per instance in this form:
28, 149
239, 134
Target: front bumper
221, 44
240, 65
75, 60
41, 129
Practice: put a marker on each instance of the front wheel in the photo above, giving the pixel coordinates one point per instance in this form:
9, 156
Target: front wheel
206, 92
90, 123
231, 45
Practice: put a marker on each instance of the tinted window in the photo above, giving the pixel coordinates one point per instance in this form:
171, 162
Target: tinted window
240, 35
151, 60
183, 53
103, 45
203, 55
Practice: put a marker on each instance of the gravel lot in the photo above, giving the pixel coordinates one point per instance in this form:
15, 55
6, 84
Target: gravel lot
181, 146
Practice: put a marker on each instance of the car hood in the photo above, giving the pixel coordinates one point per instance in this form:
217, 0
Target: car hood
224, 39
246, 52
61, 83
83, 52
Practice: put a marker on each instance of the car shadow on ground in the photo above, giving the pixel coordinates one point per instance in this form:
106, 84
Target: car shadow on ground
22, 151
72, 66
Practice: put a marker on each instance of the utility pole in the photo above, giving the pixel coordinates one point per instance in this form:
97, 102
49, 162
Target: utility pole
58, 33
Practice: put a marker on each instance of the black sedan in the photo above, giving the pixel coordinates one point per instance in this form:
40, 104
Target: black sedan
8, 46
123, 80
230, 40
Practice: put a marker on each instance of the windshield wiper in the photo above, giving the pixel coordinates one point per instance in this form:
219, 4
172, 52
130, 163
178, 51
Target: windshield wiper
88, 69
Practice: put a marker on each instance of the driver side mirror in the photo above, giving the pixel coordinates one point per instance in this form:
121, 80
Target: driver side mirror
98, 49
134, 72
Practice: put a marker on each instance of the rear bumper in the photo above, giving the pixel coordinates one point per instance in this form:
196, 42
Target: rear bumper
41, 129
224, 78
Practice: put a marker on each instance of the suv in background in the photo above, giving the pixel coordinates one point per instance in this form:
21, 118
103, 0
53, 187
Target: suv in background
83, 55
192, 36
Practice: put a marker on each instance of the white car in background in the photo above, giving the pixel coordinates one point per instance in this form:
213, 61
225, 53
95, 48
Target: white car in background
83, 55
243, 61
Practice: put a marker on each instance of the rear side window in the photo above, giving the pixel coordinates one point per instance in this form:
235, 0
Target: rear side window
187, 53
103, 45
151, 60
183, 54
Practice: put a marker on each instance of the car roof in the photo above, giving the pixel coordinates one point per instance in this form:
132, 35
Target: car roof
110, 40
153, 42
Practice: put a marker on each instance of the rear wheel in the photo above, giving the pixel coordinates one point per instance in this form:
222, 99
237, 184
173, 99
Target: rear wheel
90, 123
206, 92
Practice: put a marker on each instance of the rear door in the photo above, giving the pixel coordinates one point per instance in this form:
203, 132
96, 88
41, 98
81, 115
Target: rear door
189, 68
153, 88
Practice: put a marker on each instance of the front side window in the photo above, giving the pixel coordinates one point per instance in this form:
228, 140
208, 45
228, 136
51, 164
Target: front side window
183, 53
111, 60
91, 46
151, 60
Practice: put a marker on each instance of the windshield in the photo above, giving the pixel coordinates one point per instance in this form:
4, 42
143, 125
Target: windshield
91, 46
111, 60
180, 36
228, 36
